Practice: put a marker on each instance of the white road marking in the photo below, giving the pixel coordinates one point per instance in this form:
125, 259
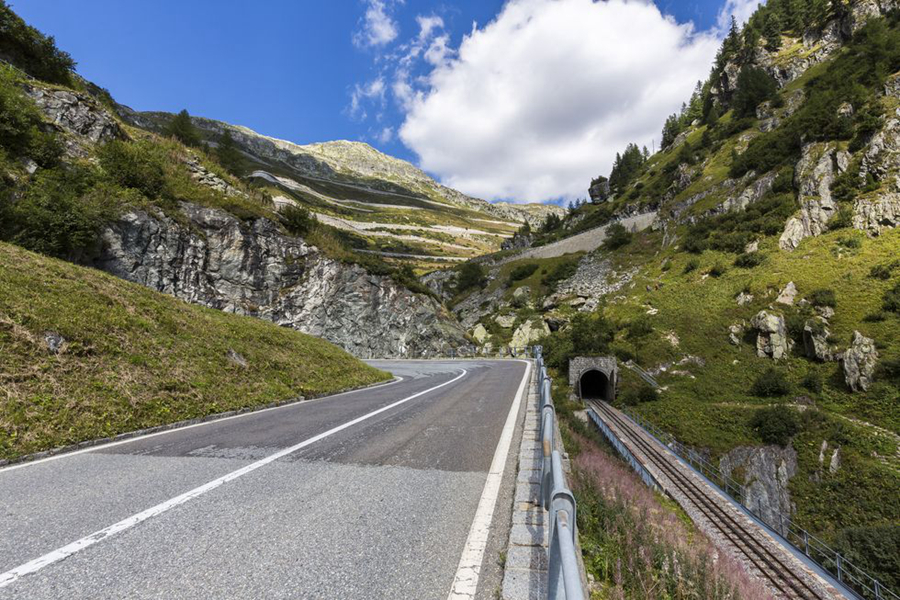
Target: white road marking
465, 583
98, 536
137, 438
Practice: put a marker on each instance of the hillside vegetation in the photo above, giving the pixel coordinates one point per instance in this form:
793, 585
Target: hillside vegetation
85, 355
764, 299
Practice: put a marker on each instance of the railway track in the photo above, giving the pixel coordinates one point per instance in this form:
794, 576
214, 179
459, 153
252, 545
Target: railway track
767, 563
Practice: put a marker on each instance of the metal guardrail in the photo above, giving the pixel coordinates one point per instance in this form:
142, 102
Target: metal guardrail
854, 579
558, 500
476, 352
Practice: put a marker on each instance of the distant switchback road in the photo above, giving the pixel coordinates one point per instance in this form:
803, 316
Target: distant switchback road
364, 495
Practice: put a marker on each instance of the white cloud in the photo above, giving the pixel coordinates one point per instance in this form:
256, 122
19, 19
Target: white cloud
385, 135
740, 9
378, 27
372, 91
537, 102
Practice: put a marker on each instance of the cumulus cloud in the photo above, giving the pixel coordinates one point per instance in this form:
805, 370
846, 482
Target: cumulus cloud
378, 28
533, 105
741, 10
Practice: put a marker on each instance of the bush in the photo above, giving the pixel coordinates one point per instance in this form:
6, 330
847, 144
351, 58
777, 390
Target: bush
891, 299
135, 165
692, 265
749, 260
523, 271
717, 270
823, 298
562, 270
873, 549
884, 271
20, 122
616, 236
61, 213
298, 220
589, 334
889, 370
640, 327
639, 395
770, 384
470, 275
775, 424
812, 382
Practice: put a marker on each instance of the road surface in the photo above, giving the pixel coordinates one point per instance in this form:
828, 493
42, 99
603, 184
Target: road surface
368, 494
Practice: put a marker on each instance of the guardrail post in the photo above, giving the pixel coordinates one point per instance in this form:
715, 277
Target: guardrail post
546, 456
840, 573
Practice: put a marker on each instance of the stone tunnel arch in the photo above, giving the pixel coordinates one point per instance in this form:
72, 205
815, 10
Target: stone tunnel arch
593, 378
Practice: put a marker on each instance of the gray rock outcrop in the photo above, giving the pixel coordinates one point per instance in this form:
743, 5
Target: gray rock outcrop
815, 173
772, 339
859, 362
213, 259
767, 472
874, 215
76, 114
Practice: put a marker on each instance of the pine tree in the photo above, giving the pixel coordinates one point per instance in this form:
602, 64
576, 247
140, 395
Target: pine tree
183, 129
772, 32
228, 154
732, 45
670, 131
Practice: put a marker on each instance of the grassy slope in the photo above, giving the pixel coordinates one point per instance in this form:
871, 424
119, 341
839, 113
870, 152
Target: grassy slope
135, 358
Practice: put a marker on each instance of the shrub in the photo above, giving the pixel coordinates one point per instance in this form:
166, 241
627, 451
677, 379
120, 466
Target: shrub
875, 317
640, 327
562, 270
20, 122
770, 384
889, 370
891, 300
616, 236
775, 424
875, 549
749, 260
523, 271
884, 271
823, 298
61, 213
639, 395
298, 220
692, 265
135, 165
589, 334
470, 275
812, 382
717, 270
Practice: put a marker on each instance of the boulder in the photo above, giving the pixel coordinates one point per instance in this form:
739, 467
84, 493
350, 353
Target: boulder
479, 333
787, 295
599, 190
754, 192
77, 114
528, 333
772, 340
505, 321
743, 299
735, 333
54, 342
859, 362
815, 339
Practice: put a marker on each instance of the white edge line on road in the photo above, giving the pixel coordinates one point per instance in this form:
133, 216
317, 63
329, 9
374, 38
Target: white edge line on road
98, 536
465, 584
211, 421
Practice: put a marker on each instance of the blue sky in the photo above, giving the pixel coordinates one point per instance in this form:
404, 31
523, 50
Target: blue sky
291, 68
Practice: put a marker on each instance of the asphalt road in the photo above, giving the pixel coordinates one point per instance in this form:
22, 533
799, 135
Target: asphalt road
319, 499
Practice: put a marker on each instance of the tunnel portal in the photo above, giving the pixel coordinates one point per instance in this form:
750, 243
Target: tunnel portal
593, 378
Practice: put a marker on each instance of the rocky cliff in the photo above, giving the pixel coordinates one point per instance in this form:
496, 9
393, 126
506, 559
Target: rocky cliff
209, 257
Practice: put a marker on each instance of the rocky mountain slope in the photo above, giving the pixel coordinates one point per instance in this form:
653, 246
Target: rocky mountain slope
757, 280
389, 206
79, 182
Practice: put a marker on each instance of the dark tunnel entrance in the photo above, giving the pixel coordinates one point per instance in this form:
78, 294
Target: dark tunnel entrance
594, 385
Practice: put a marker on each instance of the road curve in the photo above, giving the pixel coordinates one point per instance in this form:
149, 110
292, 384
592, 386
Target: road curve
369, 494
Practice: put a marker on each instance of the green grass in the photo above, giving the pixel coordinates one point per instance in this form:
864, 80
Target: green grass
135, 358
